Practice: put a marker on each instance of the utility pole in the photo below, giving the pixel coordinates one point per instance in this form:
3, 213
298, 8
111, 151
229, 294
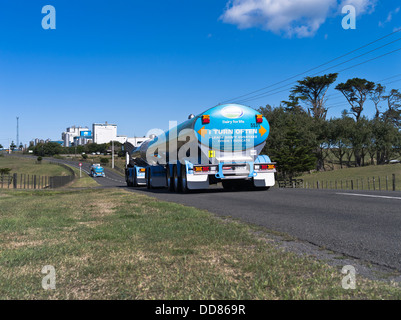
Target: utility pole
17, 133
112, 154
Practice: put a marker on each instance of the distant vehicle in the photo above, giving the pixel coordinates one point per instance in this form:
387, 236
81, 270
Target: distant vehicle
394, 161
98, 153
97, 171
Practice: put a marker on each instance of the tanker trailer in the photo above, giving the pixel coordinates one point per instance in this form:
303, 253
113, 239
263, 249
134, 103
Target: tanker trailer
222, 144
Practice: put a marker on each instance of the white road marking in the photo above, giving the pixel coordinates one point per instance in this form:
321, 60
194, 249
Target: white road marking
369, 196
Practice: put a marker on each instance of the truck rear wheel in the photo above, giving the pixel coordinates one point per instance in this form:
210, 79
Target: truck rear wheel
183, 179
148, 179
135, 183
176, 179
169, 180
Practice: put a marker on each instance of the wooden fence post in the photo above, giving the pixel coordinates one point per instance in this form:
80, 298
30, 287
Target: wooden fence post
393, 182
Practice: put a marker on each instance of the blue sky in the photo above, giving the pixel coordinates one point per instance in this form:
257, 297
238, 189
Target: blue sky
140, 64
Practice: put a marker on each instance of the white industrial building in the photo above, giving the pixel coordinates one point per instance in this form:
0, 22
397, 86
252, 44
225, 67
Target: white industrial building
73, 132
105, 133
101, 133
136, 142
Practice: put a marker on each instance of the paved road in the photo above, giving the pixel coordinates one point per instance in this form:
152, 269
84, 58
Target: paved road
359, 224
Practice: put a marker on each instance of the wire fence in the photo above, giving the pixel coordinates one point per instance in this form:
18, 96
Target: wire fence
376, 183
35, 182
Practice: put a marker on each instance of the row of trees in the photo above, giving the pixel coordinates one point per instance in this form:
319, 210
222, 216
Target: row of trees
12, 146
53, 148
302, 138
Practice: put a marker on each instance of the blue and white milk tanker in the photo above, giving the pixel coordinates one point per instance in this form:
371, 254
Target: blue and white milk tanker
223, 144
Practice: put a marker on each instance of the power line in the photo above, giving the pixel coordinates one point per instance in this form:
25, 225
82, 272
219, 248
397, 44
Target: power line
266, 94
326, 63
287, 85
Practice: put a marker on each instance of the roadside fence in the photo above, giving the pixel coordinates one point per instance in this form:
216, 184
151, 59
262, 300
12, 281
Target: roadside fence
377, 183
35, 182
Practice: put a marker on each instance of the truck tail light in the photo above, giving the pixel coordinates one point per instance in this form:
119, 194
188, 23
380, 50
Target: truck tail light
202, 169
267, 167
142, 170
205, 119
259, 118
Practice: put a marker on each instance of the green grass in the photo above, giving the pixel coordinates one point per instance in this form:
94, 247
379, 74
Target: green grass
113, 244
358, 175
84, 182
31, 167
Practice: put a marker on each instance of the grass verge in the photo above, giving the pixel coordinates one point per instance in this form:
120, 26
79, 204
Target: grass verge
360, 174
84, 182
30, 166
114, 244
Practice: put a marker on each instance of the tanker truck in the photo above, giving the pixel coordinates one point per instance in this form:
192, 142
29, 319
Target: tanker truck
220, 145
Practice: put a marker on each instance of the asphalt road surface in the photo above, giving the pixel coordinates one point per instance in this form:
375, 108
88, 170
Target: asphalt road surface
360, 224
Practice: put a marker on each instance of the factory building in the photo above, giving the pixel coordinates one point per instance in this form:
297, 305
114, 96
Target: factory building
75, 132
101, 133
105, 133
136, 142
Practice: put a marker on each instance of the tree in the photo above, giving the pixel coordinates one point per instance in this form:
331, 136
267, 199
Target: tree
385, 137
356, 91
377, 96
312, 90
393, 113
13, 146
295, 156
339, 133
1, 147
360, 137
293, 106
283, 126
47, 149
4, 171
